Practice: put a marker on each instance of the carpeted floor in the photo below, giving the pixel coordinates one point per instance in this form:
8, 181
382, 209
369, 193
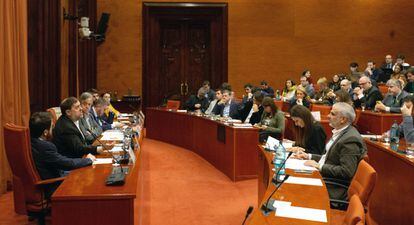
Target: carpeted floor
177, 188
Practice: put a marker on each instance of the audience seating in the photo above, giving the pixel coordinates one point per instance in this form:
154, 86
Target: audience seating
355, 214
361, 185
383, 89
324, 109
19, 155
56, 113
173, 104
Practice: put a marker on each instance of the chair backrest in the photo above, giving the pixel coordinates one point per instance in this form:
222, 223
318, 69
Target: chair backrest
355, 215
56, 113
357, 115
363, 182
383, 89
279, 104
173, 104
19, 155
324, 109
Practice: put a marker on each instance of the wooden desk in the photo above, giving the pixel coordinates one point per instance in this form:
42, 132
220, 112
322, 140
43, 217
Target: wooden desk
300, 195
84, 199
376, 122
392, 201
231, 150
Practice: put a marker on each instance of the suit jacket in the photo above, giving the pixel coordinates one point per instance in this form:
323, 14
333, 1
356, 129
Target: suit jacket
69, 140
50, 163
244, 112
370, 98
101, 122
342, 159
409, 87
387, 69
395, 103
234, 110
92, 126
193, 100
269, 92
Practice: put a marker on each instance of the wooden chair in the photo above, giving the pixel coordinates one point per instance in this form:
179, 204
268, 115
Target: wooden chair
56, 113
173, 104
19, 155
324, 109
361, 185
279, 104
355, 214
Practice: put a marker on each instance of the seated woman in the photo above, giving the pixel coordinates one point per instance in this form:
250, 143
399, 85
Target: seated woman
289, 91
110, 112
301, 98
310, 135
335, 84
343, 96
272, 122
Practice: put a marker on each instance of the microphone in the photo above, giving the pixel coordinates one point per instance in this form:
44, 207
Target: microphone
266, 208
249, 211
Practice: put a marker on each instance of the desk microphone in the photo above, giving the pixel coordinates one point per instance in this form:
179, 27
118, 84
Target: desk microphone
117, 177
266, 208
249, 211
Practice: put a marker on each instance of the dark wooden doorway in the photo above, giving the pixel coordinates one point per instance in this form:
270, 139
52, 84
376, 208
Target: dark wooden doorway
183, 45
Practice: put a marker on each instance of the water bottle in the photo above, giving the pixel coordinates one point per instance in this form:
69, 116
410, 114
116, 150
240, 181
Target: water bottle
394, 136
278, 160
277, 95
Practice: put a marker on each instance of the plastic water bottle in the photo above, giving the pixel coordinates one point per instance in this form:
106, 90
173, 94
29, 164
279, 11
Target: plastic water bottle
277, 97
278, 160
394, 136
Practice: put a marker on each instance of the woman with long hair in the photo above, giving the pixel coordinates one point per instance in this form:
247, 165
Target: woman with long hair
310, 135
272, 122
289, 91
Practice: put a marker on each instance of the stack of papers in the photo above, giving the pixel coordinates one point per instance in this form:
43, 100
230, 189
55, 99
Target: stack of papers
304, 181
116, 149
181, 110
242, 125
374, 136
126, 114
318, 215
102, 161
297, 164
112, 135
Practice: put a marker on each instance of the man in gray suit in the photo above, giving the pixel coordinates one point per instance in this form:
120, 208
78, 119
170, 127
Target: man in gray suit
87, 123
394, 99
343, 151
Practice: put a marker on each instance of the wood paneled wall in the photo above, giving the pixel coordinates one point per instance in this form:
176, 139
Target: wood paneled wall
272, 39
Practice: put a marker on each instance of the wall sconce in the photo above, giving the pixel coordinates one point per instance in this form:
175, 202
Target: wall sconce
84, 32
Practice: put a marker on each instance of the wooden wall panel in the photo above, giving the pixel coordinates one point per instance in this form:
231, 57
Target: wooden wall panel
272, 39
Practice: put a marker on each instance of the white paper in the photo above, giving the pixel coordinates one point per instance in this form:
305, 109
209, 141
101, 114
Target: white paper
234, 121
272, 143
112, 135
297, 164
371, 136
125, 114
116, 149
278, 204
304, 181
181, 110
242, 125
302, 213
316, 115
102, 161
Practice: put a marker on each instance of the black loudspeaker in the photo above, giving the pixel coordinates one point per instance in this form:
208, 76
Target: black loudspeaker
102, 26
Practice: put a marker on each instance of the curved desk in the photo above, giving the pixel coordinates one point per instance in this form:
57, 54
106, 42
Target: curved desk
392, 200
231, 150
300, 195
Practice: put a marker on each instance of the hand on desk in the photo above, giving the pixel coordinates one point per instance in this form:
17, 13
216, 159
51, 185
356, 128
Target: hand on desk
91, 157
261, 127
380, 106
296, 149
197, 105
108, 146
312, 163
300, 155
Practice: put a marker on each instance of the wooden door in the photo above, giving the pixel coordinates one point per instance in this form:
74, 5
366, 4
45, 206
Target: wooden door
182, 47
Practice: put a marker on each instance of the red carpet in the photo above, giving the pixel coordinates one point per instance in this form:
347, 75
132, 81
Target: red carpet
178, 188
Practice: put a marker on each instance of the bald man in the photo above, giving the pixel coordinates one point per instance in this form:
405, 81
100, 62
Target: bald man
366, 93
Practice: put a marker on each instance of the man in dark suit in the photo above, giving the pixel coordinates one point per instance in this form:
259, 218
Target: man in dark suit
387, 68
98, 110
197, 102
409, 87
87, 122
252, 110
49, 163
343, 151
366, 93
227, 107
346, 85
266, 89
376, 74
394, 99
67, 135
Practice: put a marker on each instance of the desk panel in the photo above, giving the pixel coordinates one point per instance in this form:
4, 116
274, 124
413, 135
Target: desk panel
376, 122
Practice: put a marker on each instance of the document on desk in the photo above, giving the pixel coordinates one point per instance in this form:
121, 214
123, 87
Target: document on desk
302, 213
242, 125
374, 136
304, 181
112, 135
297, 164
102, 161
116, 149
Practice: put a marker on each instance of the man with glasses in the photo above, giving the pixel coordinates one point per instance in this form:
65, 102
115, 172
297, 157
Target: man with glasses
394, 99
366, 93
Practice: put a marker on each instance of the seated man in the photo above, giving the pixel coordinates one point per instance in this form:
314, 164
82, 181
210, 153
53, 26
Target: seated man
394, 99
49, 163
227, 107
308, 87
252, 111
323, 95
267, 90
343, 151
97, 112
209, 93
87, 123
197, 102
366, 94
213, 104
410, 78
248, 93
67, 135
